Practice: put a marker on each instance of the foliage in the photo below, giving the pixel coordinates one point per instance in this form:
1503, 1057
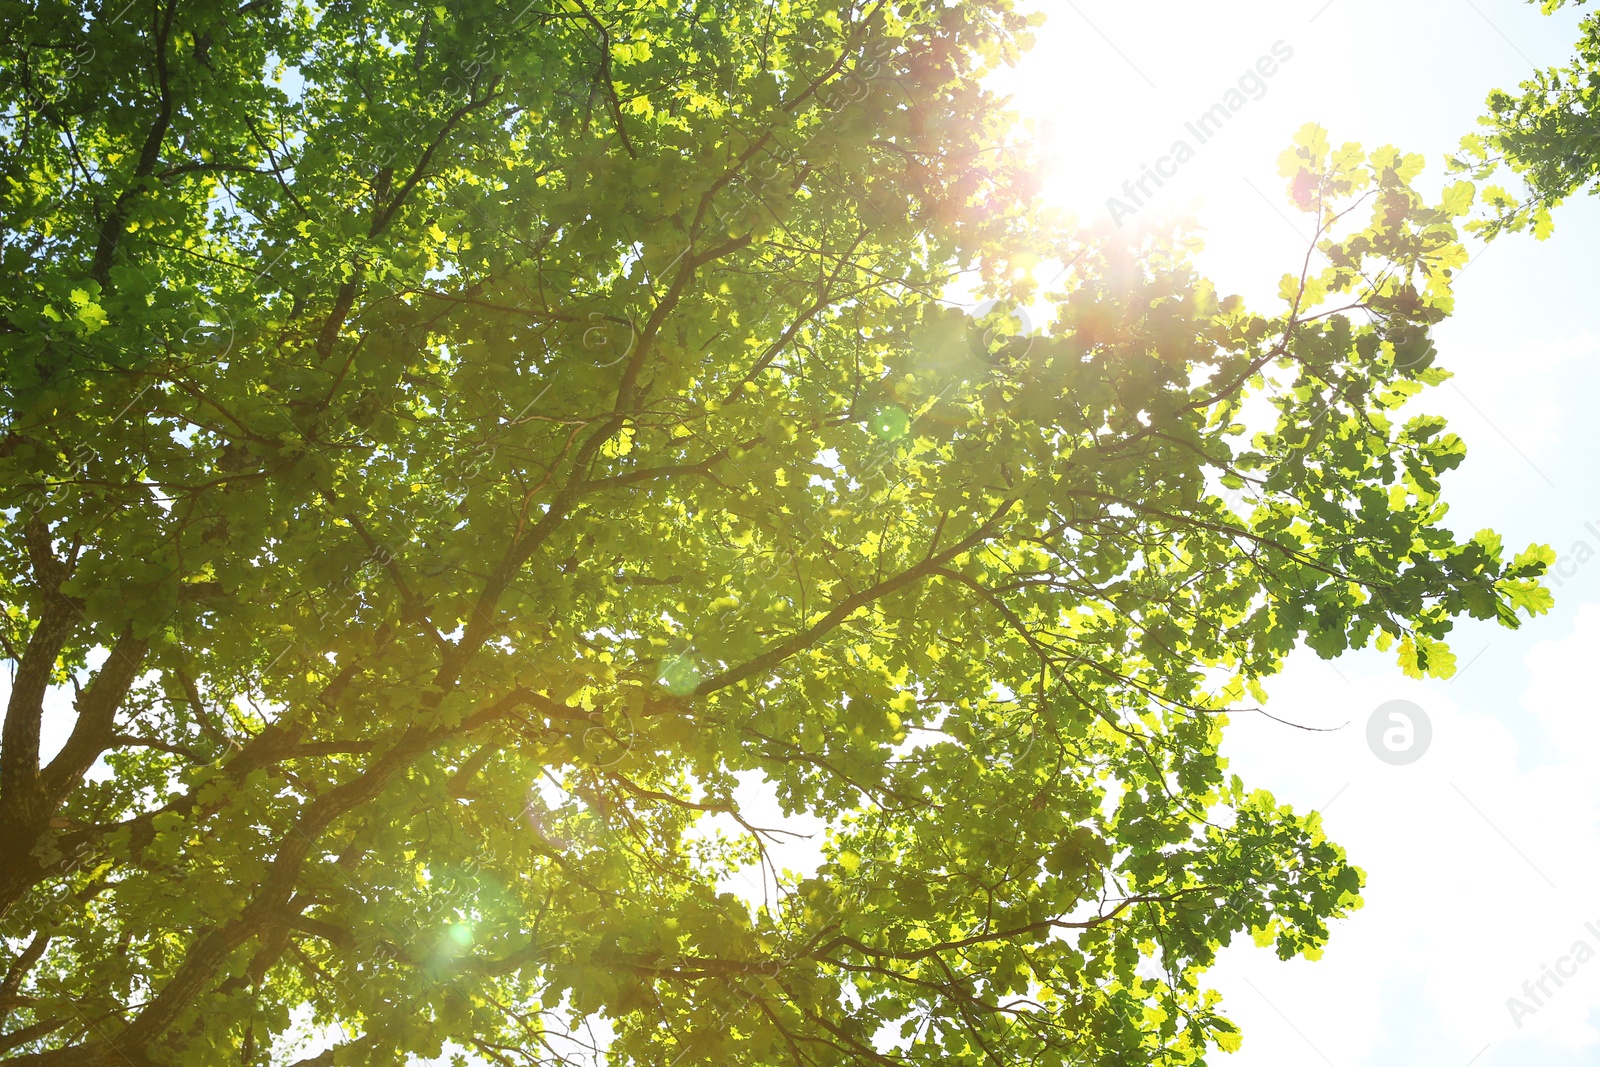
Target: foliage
440, 470
1547, 135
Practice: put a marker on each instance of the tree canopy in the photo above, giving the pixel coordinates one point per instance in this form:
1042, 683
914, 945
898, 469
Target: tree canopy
1548, 135
446, 450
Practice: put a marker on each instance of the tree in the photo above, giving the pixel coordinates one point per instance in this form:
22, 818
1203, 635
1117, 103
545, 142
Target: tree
435, 469
1548, 135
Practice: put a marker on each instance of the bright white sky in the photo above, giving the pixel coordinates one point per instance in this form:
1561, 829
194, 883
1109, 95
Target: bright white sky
1482, 856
